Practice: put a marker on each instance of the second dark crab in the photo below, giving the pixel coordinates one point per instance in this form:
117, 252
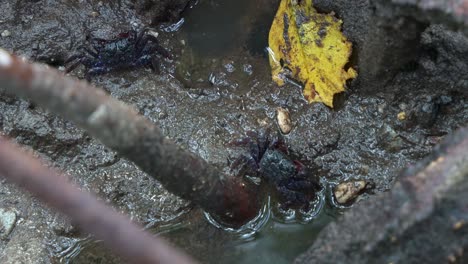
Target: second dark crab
269, 160
127, 50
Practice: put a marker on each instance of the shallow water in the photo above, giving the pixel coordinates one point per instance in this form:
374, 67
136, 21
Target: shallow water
211, 35
275, 242
216, 27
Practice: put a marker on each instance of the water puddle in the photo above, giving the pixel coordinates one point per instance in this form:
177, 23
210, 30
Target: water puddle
227, 30
213, 27
275, 242
270, 238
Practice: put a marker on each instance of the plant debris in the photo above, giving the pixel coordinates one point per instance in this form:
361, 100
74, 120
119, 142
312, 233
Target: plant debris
309, 47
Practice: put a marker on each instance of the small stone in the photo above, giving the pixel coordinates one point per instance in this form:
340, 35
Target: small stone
401, 116
446, 99
230, 67
458, 225
248, 69
7, 222
284, 120
389, 139
346, 192
263, 122
94, 14
152, 33
381, 108
162, 115
452, 259
6, 33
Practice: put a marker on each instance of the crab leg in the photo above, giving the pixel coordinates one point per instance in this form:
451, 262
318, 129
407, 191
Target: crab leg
158, 47
140, 37
72, 58
73, 66
90, 52
156, 67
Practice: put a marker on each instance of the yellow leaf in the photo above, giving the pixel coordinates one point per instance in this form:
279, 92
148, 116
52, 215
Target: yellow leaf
309, 47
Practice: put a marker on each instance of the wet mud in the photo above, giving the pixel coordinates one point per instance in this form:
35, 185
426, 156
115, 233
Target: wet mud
410, 93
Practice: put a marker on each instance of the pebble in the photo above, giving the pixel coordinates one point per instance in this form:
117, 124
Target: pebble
284, 120
389, 139
6, 33
153, 33
401, 116
230, 67
458, 225
381, 108
248, 69
346, 192
263, 122
7, 222
162, 115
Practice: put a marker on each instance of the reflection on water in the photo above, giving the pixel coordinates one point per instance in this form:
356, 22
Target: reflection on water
275, 241
250, 229
215, 26
279, 243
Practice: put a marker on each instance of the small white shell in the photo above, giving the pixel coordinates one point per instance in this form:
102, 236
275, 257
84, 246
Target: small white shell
345, 192
284, 120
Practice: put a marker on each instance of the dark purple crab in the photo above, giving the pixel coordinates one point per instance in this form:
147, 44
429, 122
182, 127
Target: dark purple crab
128, 50
268, 159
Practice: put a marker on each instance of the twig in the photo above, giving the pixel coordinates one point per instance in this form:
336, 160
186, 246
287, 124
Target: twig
134, 137
92, 216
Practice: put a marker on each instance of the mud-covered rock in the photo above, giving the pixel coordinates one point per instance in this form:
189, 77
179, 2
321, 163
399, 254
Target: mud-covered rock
420, 220
388, 38
69, 24
451, 11
389, 139
444, 58
404, 64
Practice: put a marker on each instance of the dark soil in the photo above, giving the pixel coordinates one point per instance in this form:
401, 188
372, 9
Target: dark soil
202, 100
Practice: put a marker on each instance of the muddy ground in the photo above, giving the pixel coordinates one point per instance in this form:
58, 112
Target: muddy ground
213, 91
